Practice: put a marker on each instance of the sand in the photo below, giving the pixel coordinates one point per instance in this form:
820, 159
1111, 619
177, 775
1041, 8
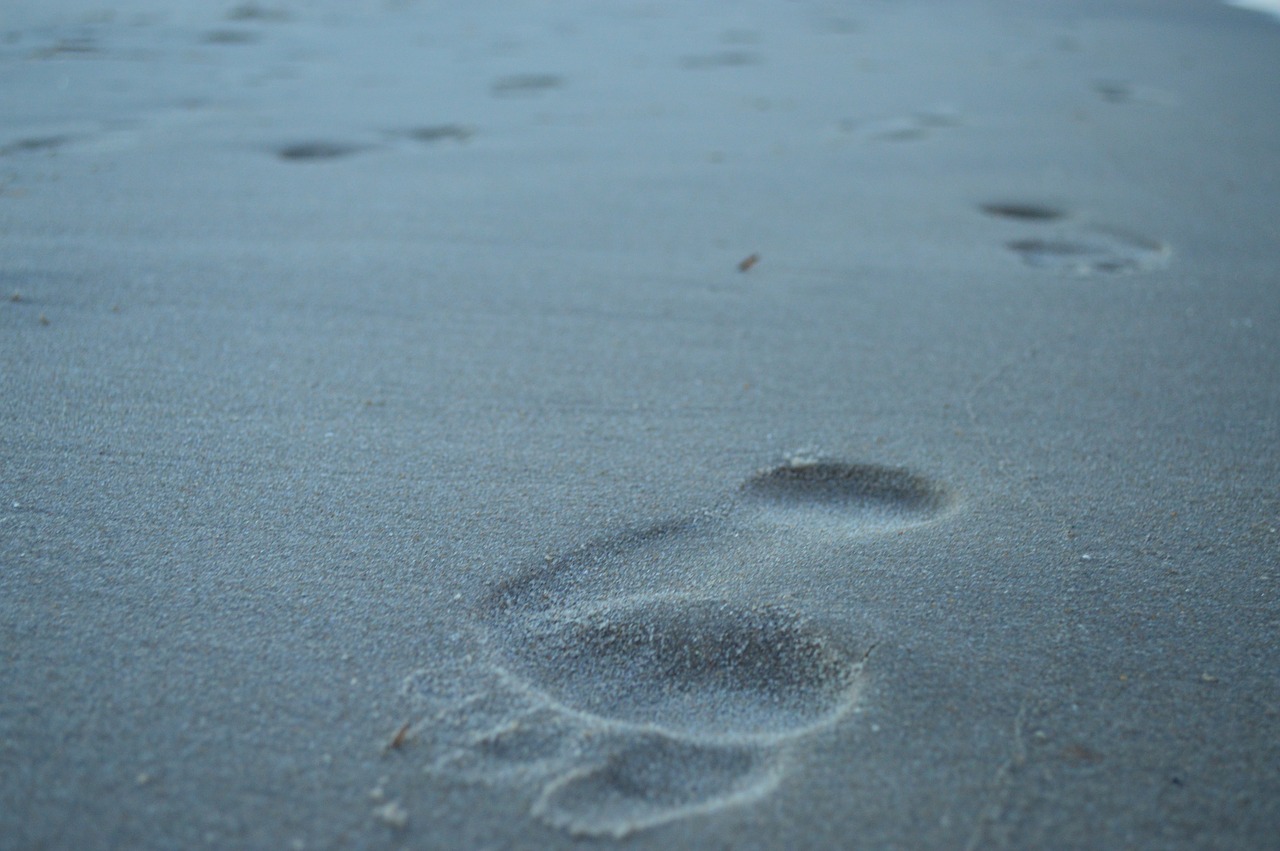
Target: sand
753, 425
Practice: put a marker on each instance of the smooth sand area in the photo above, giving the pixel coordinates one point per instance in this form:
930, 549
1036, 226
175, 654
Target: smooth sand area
669, 424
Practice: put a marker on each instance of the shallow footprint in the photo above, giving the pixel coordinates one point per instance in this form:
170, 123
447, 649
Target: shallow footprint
1082, 250
1097, 250
901, 128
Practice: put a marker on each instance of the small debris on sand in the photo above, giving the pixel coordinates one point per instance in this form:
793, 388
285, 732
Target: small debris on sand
401, 736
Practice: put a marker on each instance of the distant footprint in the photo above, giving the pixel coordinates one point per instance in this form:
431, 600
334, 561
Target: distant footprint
901, 128
720, 59
34, 144
1098, 250
655, 675
1118, 91
229, 36
317, 150
524, 85
254, 12
1081, 250
1022, 211
432, 133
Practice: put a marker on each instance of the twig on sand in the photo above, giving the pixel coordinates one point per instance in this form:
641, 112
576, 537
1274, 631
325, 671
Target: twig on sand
397, 741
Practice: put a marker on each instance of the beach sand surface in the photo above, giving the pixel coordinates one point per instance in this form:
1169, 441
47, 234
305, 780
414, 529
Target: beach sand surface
752, 425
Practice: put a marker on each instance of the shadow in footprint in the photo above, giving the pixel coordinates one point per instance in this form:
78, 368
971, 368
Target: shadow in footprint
706, 668
646, 677
857, 497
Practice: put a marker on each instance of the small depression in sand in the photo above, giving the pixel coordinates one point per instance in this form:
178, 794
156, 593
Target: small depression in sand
1097, 250
865, 496
706, 668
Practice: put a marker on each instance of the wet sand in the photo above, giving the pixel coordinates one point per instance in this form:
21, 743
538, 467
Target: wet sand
703, 425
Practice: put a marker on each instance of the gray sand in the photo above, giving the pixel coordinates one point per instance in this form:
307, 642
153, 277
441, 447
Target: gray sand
395, 455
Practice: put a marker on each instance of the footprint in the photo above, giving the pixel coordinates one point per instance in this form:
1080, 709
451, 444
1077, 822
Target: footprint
70, 46
229, 36
720, 59
34, 144
901, 128
525, 85
1095, 250
659, 674
317, 150
1022, 211
1117, 91
323, 149
1081, 250
255, 12
432, 133
837, 25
